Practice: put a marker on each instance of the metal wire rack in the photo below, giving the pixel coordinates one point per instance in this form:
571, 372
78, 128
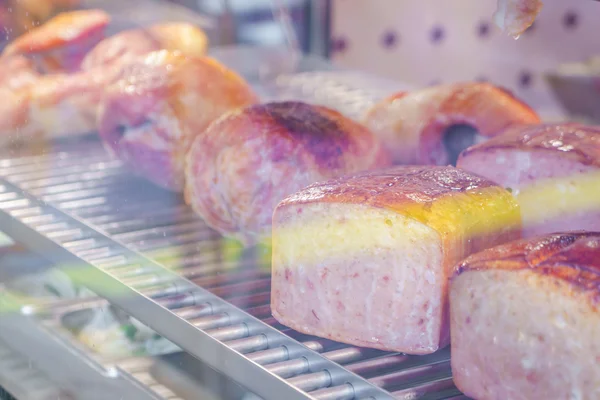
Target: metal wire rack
146, 252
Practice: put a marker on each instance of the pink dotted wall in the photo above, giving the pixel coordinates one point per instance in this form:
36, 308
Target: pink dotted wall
432, 41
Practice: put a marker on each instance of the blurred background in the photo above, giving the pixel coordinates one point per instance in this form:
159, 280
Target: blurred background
429, 41
426, 42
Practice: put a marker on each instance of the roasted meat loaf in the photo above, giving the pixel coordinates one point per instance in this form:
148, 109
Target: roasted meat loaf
365, 259
412, 125
525, 321
249, 160
151, 116
553, 171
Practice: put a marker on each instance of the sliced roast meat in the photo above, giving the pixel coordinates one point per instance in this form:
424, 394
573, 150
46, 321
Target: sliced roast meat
366, 259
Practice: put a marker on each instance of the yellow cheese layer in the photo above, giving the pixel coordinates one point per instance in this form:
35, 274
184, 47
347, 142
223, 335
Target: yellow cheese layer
347, 229
329, 231
549, 198
471, 213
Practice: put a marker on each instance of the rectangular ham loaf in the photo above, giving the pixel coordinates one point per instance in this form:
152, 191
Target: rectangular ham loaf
525, 320
365, 259
553, 171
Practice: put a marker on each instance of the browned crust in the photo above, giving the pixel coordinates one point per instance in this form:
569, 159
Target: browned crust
272, 150
469, 95
571, 139
508, 108
392, 187
573, 257
328, 136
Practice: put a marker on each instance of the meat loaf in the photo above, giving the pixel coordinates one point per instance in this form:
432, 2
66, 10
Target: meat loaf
525, 320
251, 159
151, 116
365, 260
553, 171
413, 125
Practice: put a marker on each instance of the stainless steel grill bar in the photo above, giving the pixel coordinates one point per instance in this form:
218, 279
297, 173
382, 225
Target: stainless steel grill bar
76, 171
311, 382
232, 332
343, 392
405, 376
443, 387
249, 344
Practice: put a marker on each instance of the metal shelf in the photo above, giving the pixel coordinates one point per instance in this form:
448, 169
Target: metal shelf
37, 362
23, 380
145, 252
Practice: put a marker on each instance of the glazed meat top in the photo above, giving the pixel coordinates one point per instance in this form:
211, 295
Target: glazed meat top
322, 132
446, 198
326, 139
573, 257
397, 185
579, 141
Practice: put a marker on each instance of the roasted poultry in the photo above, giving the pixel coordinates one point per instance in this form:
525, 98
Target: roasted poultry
19, 16
55, 76
127, 45
60, 44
